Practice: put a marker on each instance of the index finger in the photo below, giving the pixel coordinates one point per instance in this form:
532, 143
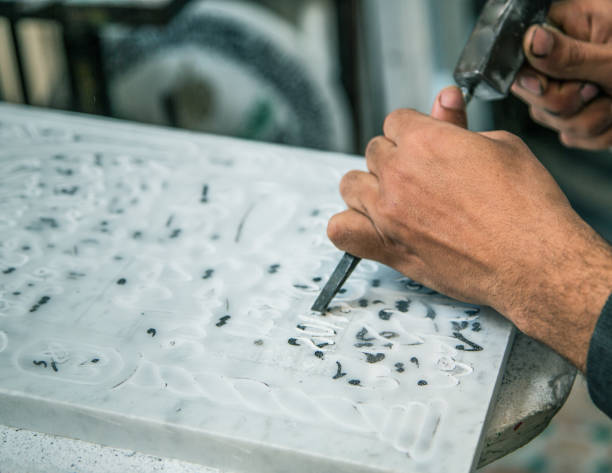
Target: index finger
398, 121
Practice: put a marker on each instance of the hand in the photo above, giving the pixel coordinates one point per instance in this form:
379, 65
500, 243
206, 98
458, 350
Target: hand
477, 217
568, 80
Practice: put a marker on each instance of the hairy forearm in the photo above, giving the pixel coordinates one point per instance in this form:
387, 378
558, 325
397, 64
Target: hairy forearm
565, 298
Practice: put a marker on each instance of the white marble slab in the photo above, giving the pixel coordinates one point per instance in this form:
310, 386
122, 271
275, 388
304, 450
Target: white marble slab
155, 288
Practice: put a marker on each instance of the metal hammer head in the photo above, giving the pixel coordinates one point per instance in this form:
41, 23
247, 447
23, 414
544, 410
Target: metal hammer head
494, 52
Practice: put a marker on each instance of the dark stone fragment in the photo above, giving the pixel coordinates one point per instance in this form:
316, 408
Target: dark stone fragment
293, 341
339, 373
422, 382
318, 354
69, 190
388, 334
361, 335
363, 302
51, 222
402, 305
399, 367
121, 281
152, 332
473, 346
354, 382
374, 358
384, 315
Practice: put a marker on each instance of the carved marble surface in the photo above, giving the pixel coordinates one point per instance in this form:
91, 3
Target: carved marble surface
155, 288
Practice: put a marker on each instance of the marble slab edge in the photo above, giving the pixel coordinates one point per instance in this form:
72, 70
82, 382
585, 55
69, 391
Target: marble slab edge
191, 445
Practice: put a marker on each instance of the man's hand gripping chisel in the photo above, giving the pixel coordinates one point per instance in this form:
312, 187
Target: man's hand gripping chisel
486, 69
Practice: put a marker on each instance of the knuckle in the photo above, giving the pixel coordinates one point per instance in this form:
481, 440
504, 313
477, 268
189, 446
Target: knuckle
509, 140
392, 119
347, 183
372, 146
561, 105
590, 123
539, 116
566, 139
535, 113
336, 230
397, 118
507, 137
595, 127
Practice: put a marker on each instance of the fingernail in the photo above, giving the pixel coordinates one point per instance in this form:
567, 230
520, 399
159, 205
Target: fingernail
542, 42
451, 99
588, 92
531, 83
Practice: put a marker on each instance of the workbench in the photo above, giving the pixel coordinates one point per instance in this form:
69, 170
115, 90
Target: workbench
111, 166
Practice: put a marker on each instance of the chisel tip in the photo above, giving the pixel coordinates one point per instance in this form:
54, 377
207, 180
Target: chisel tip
343, 270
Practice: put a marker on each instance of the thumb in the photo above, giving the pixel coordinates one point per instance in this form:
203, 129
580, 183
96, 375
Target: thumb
562, 57
450, 107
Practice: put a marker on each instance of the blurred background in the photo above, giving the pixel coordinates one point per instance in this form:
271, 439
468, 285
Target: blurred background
312, 73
